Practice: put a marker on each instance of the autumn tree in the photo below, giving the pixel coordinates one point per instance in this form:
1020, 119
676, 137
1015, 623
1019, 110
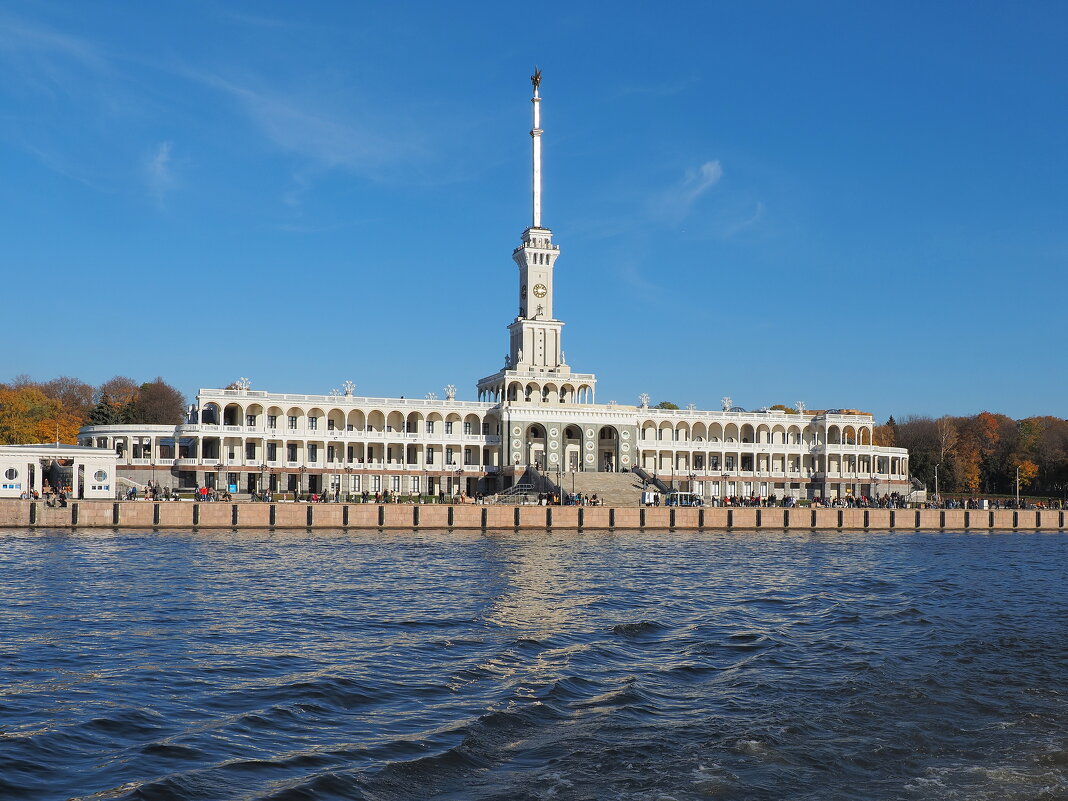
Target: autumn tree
28, 416
158, 403
886, 434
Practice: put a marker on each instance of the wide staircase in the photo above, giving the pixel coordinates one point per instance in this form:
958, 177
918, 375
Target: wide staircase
612, 489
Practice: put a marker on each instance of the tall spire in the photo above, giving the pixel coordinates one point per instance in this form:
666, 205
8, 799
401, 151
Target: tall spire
535, 135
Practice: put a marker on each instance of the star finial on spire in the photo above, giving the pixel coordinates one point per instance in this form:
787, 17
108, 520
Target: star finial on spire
536, 78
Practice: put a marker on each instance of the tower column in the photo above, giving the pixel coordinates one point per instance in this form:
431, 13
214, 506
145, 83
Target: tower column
535, 135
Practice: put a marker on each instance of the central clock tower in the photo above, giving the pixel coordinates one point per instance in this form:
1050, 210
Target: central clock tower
535, 333
534, 367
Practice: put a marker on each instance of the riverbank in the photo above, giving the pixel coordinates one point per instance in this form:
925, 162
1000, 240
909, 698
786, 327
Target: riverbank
186, 515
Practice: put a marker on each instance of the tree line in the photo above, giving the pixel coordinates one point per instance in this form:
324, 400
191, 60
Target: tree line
981, 454
34, 411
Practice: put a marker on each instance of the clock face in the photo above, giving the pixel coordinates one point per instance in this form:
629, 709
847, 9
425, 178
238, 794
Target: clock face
540, 290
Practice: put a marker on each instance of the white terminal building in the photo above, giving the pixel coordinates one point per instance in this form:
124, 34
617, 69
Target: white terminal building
535, 412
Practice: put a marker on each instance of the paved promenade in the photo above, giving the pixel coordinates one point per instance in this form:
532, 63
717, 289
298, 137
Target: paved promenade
187, 515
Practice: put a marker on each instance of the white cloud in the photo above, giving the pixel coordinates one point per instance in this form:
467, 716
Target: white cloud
159, 172
675, 203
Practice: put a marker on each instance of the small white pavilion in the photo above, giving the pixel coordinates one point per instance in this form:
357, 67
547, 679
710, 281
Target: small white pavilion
89, 472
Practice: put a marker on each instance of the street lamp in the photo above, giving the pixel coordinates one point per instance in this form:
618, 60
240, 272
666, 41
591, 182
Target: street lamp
300, 486
937, 498
459, 478
723, 495
348, 479
263, 479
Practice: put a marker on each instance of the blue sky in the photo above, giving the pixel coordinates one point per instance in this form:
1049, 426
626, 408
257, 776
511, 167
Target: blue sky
847, 204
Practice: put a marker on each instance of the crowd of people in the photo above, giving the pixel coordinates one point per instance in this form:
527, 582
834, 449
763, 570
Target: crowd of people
995, 503
52, 496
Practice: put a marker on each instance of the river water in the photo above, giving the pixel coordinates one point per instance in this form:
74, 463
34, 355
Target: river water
656, 665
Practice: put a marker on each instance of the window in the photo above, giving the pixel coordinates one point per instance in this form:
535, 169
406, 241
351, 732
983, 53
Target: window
250, 450
376, 483
448, 427
430, 426
329, 425
467, 427
272, 421
330, 451
713, 463
699, 462
291, 453
747, 463
429, 455
313, 423
394, 483
313, 452
230, 453
729, 462
272, 452
292, 421
468, 457
250, 420
413, 484
448, 455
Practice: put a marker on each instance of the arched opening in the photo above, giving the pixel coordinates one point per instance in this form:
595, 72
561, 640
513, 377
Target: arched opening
573, 448
536, 446
232, 415
607, 449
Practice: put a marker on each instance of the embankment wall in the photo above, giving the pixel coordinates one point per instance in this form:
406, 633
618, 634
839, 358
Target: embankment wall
189, 515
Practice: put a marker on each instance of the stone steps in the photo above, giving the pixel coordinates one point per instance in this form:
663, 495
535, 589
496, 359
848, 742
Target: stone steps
612, 489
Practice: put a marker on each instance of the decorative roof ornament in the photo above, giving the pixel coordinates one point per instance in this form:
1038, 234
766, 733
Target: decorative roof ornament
727, 403
349, 388
691, 407
536, 78
643, 400
450, 392
243, 384
335, 393
611, 403
800, 406
431, 396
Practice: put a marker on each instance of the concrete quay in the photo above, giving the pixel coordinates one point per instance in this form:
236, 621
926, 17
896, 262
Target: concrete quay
190, 515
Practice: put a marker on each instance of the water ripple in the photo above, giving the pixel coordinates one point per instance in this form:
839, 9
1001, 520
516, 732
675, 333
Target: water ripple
290, 666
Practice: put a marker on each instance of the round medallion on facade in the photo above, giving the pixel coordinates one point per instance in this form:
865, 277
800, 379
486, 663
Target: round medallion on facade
553, 443
517, 430
540, 290
625, 459
589, 446
589, 432
100, 475
625, 447
589, 457
625, 434
554, 458
554, 432
516, 444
